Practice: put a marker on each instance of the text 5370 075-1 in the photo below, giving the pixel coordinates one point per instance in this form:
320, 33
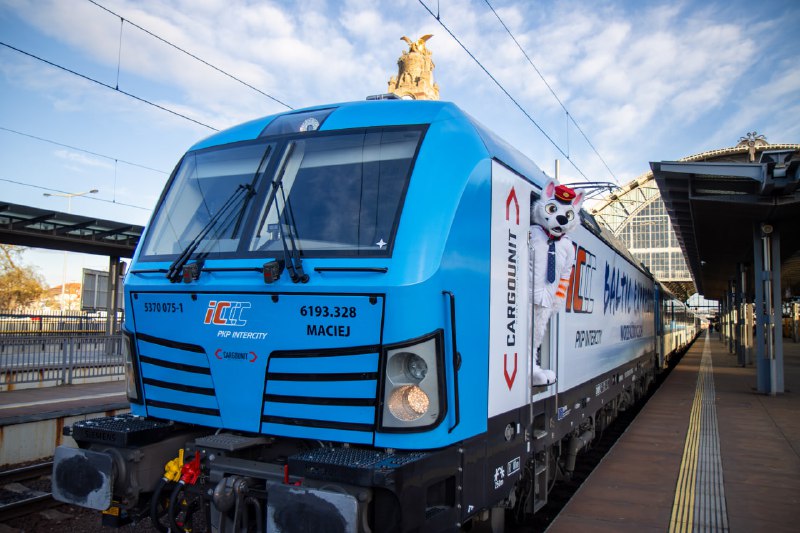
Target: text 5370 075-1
163, 307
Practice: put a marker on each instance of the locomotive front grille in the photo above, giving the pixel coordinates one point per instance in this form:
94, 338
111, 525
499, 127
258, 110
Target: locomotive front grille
322, 394
177, 379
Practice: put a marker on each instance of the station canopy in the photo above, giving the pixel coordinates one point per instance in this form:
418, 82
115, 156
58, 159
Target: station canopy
636, 213
720, 210
43, 228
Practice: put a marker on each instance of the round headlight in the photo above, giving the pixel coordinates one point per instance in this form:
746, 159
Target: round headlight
416, 367
408, 403
405, 367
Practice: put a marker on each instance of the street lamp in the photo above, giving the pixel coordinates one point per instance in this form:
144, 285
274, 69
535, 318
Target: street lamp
69, 196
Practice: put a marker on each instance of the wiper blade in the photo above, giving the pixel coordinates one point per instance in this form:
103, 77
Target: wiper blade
242, 193
292, 260
294, 264
277, 181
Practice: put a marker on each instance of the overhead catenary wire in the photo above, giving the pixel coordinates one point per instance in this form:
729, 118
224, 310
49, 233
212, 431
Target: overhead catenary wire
570, 117
93, 198
110, 158
203, 61
437, 16
88, 78
503, 89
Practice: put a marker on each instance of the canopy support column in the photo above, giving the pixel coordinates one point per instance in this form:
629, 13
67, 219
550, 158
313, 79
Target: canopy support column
769, 339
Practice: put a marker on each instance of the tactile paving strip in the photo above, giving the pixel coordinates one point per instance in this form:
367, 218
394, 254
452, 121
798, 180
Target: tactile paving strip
699, 503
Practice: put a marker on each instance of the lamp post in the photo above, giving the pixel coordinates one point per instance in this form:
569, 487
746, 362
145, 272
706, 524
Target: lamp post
69, 196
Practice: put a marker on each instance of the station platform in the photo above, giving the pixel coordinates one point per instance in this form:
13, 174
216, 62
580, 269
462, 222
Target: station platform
707, 453
26, 405
32, 420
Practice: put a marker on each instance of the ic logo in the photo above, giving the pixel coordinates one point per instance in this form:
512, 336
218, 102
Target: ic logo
579, 293
225, 313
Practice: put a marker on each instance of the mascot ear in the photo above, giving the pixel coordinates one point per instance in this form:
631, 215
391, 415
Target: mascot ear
578, 201
549, 189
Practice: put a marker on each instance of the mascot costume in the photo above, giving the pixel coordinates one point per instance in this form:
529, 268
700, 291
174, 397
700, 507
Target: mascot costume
551, 257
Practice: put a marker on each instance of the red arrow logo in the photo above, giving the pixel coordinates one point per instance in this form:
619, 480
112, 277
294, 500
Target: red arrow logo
216, 354
512, 197
253, 360
509, 379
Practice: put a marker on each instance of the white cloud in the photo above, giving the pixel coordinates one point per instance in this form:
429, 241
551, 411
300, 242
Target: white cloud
770, 108
634, 78
79, 160
631, 75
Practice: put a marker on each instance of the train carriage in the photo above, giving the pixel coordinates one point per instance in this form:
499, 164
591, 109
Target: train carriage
327, 324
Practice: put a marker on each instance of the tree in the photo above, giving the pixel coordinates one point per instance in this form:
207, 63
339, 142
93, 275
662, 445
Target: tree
20, 285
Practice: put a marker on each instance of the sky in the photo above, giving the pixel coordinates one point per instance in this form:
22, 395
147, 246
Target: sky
603, 86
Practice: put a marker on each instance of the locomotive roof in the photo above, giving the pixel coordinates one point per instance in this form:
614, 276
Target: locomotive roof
371, 113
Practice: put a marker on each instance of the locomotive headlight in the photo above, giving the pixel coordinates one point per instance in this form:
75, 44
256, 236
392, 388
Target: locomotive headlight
416, 367
408, 403
413, 396
407, 366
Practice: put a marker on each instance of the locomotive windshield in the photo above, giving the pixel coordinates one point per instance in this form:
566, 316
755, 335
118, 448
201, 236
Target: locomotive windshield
335, 194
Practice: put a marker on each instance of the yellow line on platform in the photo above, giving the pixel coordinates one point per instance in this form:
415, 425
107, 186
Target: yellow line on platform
683, 504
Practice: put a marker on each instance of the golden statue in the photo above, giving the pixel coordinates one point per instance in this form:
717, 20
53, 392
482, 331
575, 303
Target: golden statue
752, 141
415, 72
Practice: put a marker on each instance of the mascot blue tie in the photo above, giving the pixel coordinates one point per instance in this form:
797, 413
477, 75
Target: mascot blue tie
551, 262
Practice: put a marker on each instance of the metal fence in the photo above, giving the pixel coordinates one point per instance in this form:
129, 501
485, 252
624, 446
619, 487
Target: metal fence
59, 360
57, 323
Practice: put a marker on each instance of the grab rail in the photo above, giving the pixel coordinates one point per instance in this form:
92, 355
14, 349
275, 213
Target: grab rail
456, 357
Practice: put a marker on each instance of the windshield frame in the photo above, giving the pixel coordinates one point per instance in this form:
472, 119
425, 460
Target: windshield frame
264, 181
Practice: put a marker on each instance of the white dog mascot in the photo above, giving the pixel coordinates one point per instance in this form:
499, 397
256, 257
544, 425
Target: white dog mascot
550, 262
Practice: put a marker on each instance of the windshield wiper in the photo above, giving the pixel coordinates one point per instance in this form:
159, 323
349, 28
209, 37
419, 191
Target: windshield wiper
240, 195
294, 264
292, 260
243, 192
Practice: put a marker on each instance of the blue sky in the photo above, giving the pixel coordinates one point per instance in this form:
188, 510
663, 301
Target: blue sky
645, 81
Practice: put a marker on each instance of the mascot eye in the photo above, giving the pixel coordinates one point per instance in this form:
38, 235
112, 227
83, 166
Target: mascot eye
550, 209
570, 215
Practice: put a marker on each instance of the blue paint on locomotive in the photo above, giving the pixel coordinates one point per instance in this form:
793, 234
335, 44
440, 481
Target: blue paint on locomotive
442, 244
243, 132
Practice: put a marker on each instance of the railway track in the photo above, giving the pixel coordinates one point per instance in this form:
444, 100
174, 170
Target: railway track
25, 495
18, 499
25, 473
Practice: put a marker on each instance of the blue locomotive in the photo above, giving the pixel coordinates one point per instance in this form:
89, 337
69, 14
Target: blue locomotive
326, 331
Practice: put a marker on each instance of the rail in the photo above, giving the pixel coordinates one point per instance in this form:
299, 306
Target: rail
24, 473
26, 505
59, 360
15, 504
